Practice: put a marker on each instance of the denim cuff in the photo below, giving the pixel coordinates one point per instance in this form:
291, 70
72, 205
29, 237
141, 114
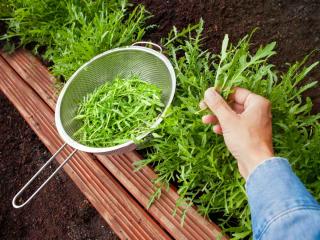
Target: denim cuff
272, 190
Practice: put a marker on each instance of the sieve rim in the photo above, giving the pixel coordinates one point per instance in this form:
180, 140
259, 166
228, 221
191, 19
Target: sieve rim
129, 144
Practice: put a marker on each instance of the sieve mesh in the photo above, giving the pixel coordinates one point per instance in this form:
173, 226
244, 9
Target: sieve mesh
150, 65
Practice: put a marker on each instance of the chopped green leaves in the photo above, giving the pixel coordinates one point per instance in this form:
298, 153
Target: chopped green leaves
117, 112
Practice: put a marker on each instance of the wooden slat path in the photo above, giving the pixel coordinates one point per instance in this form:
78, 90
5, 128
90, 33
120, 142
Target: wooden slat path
139, 184
124, 215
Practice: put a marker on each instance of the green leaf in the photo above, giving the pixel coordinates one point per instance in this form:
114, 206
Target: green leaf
224, 47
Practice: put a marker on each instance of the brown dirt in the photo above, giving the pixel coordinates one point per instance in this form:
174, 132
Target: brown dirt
293, 24
60, 211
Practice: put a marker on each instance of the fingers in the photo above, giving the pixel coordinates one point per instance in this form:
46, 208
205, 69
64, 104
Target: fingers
202, 105
209, 119
238, 108
240, 95
212, 119
217, 129
243, 98
218, 105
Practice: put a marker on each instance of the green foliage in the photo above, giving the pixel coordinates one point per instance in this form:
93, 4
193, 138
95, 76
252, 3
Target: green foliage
84, 39
5, 9
74, 31
236, 66
183, 149
187, 152
117, 112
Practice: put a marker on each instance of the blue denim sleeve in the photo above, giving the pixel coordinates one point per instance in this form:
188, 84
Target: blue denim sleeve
280, 205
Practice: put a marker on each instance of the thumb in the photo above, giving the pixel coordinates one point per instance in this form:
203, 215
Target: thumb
218, 105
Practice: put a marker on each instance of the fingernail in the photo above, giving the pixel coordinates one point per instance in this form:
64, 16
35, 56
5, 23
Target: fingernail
203, 105
210, 93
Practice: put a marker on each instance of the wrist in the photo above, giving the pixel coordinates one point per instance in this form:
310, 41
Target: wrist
255, 158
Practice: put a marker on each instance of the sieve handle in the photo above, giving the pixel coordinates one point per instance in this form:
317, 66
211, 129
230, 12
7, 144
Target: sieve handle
147, 43
14, 204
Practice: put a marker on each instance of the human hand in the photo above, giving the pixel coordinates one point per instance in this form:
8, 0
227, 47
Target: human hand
245, 124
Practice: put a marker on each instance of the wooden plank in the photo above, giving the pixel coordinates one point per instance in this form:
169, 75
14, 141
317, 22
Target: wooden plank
139, 184
32, 71
124, 215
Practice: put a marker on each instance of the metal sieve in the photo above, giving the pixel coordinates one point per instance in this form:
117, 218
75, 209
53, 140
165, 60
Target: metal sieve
150, 65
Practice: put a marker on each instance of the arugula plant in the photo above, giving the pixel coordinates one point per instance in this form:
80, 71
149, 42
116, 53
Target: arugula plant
84, 38
117, 112
187, 152
5, 9
74, 31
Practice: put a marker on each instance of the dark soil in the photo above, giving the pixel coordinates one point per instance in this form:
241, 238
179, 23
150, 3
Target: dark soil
59, 211
293, 24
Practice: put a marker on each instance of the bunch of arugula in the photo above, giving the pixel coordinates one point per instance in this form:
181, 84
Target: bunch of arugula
186, 152
117, 112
